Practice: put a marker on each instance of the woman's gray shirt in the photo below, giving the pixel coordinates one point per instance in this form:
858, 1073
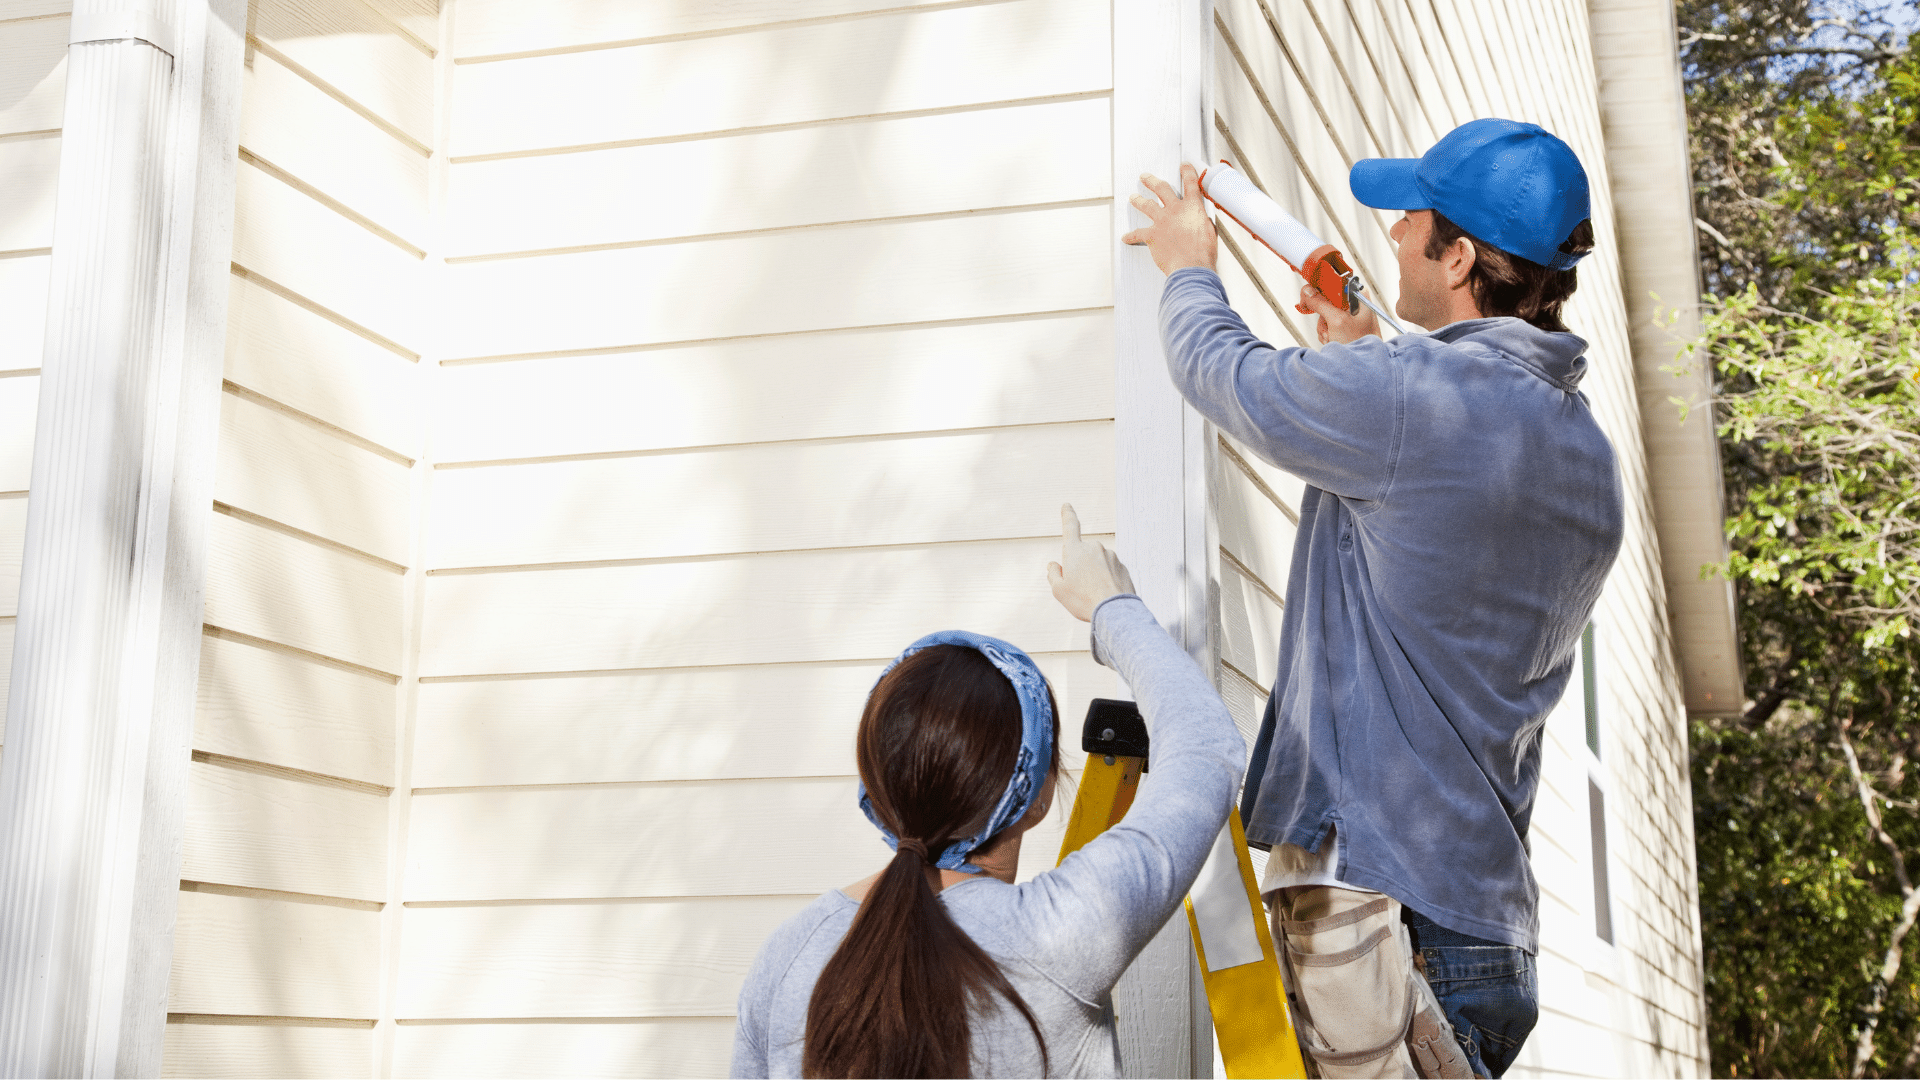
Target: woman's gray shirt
1064, 937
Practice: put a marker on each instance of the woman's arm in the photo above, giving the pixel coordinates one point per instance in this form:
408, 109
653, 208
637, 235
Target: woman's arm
1094, 913
755, 1002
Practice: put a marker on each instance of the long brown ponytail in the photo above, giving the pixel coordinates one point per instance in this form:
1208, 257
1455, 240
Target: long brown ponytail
937, 745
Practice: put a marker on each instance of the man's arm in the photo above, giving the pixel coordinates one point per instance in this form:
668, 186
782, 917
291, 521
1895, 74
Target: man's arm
1331, 416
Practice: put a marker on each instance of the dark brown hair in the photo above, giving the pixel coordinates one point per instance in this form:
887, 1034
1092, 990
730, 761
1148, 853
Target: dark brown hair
936, 748
1503, 283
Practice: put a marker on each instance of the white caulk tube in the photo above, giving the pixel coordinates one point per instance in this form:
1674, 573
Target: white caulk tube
1231, 191
1313, 258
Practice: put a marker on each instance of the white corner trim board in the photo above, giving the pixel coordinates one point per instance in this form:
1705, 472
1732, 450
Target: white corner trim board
1163, 522
107, 638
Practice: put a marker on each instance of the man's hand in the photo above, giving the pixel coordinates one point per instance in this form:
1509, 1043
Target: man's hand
1334, 323
1181, 234
1092, 573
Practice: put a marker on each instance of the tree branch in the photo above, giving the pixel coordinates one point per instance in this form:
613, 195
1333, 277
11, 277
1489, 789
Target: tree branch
1726, 245
1909, 905
1869, 54
1776, 693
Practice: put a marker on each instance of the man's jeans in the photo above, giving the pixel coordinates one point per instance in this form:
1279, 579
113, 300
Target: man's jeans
1487, 990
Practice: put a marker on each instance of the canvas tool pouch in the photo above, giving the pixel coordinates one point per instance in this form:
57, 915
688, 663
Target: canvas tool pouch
1363, 1010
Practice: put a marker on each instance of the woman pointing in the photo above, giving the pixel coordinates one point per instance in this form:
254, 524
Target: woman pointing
939, 964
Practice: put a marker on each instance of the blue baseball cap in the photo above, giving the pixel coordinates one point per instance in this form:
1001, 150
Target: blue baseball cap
1514, 185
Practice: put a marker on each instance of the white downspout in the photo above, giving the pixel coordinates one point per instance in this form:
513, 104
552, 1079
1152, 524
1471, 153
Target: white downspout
106, 655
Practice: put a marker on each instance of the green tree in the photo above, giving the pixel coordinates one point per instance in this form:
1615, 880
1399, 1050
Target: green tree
1805, 807
1804, 137
1805, 129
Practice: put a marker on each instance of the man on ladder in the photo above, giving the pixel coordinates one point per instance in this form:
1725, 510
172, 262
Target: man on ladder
1462, 512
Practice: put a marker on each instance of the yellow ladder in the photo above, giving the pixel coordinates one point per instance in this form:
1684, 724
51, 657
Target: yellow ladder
1244, 992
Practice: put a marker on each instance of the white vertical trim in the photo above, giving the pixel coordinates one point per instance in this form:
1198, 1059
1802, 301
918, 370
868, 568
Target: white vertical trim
106, 655
1161, 80
1163, 512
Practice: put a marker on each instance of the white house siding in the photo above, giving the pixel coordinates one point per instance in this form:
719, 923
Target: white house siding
1302, 88
611, 392
284, 915
33, 64
774, 335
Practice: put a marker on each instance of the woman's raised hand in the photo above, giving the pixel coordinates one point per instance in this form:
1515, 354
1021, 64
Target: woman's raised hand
1091, 573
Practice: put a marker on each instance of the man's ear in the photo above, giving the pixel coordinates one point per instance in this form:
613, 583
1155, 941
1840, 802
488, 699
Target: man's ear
1461, 255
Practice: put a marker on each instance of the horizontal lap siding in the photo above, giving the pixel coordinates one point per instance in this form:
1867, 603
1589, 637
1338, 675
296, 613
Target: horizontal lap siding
283, 467
889, 381
493, 28
357, 56
668, 724
887, 63
33, 65
13, 533
228, 1046
294, 592
949, 163
789, 358
277, 963
787, 608
238, 953
259, 828
664, 1048
281, 349
259, 703
23, 311
675, 957
294, 127
29, 175
868, 274
762, 498
1301, 89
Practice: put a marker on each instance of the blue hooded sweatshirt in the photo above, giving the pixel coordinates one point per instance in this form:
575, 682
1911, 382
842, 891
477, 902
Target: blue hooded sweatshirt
1462, 512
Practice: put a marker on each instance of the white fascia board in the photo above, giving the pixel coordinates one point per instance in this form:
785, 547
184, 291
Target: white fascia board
1643, 115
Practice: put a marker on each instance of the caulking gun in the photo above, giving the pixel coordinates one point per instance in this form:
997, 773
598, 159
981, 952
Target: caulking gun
1311, 257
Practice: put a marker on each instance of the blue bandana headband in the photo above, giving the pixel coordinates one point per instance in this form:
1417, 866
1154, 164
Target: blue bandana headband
1036, 743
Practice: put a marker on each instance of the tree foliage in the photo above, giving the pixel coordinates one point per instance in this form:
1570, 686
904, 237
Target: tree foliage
1821, 441
1804, 121
1800, 897
1805, 128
